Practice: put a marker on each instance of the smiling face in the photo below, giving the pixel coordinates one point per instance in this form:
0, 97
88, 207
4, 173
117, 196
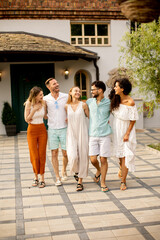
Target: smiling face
95, 91
53, 86
75, 93
39, 97
117, 89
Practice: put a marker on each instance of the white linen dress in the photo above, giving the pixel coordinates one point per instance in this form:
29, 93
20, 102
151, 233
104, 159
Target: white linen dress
122, 117
77, 141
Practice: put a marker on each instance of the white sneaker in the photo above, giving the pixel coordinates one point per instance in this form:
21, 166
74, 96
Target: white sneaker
64, 176
58, 182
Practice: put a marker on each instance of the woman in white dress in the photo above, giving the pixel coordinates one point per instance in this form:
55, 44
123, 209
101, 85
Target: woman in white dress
77, 136
124, 136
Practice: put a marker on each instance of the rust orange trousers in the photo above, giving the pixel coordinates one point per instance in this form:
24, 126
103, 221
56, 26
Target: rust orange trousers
37, 141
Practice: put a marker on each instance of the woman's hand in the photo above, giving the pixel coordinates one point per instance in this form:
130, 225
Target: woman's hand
126, 138
28, 113
29, 121
37, 106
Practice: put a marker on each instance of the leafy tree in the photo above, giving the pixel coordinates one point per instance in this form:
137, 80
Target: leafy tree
141, 54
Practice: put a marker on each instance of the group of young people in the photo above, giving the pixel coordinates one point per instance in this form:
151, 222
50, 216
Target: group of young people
80, 139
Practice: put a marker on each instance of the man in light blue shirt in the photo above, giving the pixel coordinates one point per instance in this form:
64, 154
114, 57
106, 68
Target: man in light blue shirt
99, 131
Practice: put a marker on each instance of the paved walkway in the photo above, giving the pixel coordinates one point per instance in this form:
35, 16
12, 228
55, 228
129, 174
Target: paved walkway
61, 213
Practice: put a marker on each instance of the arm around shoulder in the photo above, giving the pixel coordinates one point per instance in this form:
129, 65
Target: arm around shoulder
45, 109
86, 110
88, 101
66, 107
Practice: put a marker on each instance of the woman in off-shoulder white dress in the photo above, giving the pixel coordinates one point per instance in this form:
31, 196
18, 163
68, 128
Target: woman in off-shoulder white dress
124, 136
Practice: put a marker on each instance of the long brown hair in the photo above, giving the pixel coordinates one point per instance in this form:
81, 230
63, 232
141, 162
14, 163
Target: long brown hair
70, 96
115, 99
33, 94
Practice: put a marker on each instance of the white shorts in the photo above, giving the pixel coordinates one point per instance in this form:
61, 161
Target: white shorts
100, 146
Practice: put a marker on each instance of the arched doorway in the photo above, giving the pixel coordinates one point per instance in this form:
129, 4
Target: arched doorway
82, 80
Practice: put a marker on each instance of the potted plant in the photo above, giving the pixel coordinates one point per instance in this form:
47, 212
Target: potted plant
9, 119
83, 98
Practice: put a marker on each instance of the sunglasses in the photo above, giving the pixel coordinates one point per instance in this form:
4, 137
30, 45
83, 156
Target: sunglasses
96, 89
56, 103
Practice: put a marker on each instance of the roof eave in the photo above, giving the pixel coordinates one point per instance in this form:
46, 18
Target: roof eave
14, 56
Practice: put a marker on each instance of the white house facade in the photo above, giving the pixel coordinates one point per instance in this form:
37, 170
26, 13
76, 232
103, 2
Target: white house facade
98, 54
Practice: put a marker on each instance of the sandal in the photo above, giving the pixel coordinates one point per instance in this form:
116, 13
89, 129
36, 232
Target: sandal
123, 186
104, 189
35, 183
97, 178
64, 176
76, 176
79, 187
42, 184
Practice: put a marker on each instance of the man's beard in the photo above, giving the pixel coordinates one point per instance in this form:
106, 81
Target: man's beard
56, 90
96, 95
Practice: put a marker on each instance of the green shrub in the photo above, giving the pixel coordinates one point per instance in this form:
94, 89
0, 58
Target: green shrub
155, 146
8, 115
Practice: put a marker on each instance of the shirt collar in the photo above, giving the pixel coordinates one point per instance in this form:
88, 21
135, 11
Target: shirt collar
102, 100
60, 95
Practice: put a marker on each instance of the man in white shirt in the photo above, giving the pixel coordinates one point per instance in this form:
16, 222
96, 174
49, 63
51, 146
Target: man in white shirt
57, 126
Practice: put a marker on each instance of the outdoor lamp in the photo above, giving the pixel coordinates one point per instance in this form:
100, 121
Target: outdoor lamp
0, 76
66, 73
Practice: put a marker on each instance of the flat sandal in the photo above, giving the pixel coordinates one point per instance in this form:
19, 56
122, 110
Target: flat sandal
97, 178
42, 184
79, 187
123, 186
35, 183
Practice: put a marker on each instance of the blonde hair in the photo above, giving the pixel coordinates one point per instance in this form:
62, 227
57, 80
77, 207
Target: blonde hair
70, 96
33, 94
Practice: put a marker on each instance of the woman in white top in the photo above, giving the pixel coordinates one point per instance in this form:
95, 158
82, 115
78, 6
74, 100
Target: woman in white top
124, 135
77, 136
35, 111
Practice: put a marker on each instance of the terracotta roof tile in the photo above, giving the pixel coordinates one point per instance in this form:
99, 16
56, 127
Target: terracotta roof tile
64, 9
61, 5
26, 42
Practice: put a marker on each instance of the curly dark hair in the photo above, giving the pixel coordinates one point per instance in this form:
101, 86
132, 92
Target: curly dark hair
115, 99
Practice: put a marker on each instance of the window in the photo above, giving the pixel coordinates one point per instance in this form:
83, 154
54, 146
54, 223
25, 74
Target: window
134, 26
82, 81
90, 34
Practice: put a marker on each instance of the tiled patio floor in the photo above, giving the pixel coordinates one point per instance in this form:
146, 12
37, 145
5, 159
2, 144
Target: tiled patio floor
61, 213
